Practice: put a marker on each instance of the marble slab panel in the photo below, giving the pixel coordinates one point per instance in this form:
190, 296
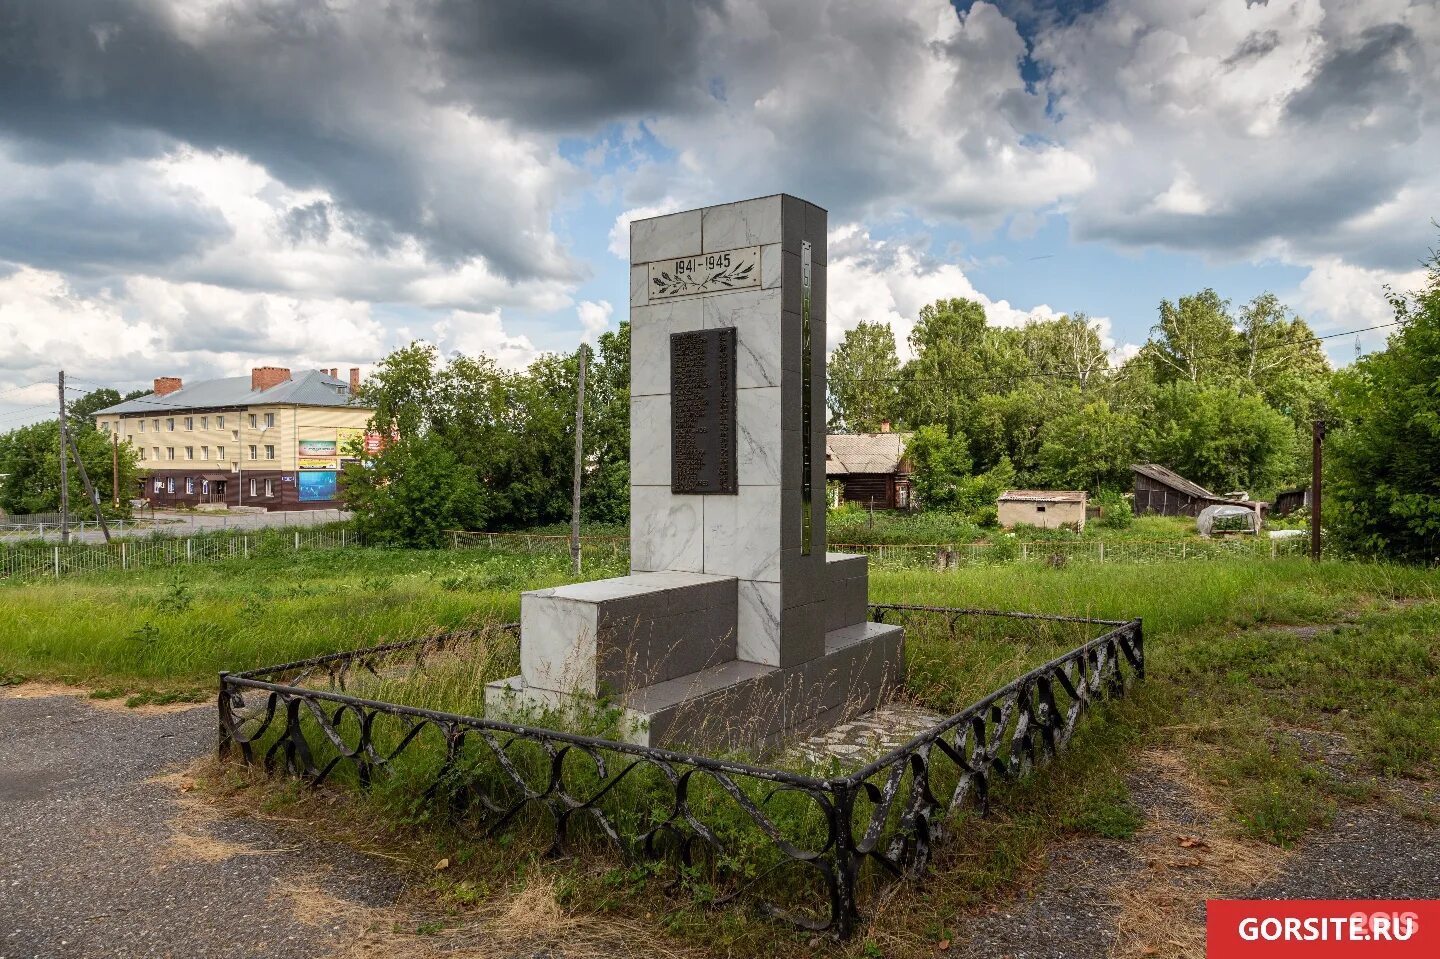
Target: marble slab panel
650, 440
666, 531
746, 223
665, 237
558, 651
742, 534
755, 314
639, 285
760, 452
757, 636
650, 329
770, 260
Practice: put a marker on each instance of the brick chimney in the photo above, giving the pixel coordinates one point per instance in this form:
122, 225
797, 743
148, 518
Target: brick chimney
165, 385
264, 377
884, 426
354, 379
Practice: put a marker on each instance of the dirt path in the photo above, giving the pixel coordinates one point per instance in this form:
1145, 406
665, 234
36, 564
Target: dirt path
101, 854
1146, 896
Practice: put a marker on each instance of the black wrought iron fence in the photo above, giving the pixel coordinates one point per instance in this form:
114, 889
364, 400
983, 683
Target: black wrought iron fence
810, 849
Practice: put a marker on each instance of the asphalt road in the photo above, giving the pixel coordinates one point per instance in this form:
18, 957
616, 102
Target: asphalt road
98, 859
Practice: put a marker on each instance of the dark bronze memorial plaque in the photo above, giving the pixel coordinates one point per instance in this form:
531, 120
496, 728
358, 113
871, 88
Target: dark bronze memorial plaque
702, 412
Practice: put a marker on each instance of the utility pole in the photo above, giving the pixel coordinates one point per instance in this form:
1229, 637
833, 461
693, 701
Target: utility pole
90, 489
64, 467
115, 463
579, 461
1317, 455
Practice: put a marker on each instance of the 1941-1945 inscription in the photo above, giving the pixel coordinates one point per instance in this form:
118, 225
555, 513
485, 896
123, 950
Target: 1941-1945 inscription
702, 412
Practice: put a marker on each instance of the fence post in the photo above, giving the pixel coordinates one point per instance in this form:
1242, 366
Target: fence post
297, 539
245, 546
124, 557
1102, 551
1024, 551
454, 540
189, 552
57, 562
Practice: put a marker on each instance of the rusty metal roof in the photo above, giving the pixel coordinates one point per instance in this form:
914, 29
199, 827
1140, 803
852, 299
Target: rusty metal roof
1175, 481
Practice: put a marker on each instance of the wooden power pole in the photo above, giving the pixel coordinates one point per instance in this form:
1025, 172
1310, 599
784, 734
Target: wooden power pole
90, 489
1317, 455
579, 462
64, 467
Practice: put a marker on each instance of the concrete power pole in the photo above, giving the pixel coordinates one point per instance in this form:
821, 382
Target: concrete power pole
579, 461
115, 465
64, 466
90, 489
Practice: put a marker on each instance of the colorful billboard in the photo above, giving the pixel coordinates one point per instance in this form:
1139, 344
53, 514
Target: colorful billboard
315, 463
317, 448
317, 485
349, 441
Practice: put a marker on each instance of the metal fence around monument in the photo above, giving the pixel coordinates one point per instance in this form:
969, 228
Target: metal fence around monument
738, 828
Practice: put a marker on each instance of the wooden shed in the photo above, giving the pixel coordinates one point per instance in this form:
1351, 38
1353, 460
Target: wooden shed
1290, 500
871, 468
1164, 491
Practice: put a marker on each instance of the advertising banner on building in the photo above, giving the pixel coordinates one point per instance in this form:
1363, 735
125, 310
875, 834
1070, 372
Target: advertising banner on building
317, 448
317, 485
315, 463
349, 441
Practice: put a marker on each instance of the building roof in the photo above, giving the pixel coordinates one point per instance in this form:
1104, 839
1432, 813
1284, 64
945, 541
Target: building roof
1043, 496
305, 388
1175, 481
847, 453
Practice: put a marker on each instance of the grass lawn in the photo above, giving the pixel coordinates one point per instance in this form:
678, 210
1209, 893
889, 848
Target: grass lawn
1240, 653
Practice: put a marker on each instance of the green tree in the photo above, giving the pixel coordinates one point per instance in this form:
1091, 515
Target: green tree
82, 411
1194, 342
941, 463
1090, 449
958, 359
1222, 439
1384, 484
414, 493
605, 492
30, 460
863, 377
1067, 347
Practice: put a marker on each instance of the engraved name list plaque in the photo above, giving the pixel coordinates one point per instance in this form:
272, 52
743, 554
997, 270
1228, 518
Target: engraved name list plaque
702, 412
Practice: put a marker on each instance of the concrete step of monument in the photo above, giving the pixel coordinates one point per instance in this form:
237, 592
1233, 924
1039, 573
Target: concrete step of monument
615, 635
753, 705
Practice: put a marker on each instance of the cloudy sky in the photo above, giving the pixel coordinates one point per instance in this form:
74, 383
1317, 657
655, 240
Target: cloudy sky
193, 187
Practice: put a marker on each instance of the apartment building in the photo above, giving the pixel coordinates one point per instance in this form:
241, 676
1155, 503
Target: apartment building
268, 440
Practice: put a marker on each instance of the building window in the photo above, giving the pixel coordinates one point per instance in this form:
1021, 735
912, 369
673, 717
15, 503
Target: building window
189, 422
170, 423
219, 422
189, 486
157, 451
204, 452
219, 452
142, 452
159, 485
104, 426
269, 487
142, 426
170, 484
252, 421
205, 487
1039, 509
189, 452
254, 454
204, 422
252, 487
156, 424
269, 420
269, 451
169, 452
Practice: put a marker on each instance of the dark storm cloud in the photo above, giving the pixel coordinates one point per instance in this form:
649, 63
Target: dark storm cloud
335, 100
1358, 78
573, 64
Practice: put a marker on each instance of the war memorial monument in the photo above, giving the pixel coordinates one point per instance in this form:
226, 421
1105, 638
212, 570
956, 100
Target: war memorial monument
735, 627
